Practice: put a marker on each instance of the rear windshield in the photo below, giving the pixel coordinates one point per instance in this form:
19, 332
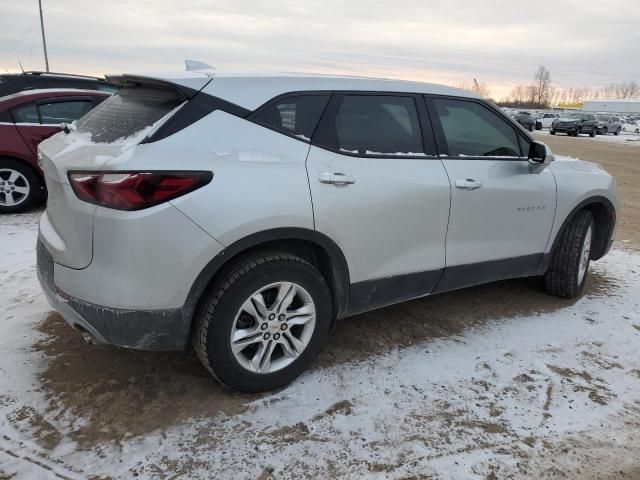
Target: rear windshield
127, 112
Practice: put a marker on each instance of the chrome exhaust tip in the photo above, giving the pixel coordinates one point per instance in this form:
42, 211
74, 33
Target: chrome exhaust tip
88, 338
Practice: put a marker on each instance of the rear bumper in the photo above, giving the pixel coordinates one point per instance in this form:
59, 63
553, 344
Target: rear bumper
162, 329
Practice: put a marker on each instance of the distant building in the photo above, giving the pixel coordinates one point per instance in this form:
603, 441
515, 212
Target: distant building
616, 106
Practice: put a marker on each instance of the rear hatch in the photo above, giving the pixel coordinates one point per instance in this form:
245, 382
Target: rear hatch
110, 131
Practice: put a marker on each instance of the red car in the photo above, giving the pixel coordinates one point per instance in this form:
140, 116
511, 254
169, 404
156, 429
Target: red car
26, 119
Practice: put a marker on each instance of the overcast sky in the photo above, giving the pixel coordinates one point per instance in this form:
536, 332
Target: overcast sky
583, 43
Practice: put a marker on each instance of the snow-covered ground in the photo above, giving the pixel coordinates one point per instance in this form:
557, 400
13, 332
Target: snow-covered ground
550, 392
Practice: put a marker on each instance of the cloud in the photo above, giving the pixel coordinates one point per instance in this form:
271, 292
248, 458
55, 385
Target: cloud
584, 43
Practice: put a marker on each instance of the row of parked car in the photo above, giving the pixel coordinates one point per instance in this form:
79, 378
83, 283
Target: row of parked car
33, 107
577, 122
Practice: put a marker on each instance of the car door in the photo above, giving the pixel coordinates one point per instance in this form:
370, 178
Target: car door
381, 193
502, 209
27, 122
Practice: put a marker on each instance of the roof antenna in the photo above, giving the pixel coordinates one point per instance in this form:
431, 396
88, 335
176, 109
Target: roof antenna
44, 41
20, 63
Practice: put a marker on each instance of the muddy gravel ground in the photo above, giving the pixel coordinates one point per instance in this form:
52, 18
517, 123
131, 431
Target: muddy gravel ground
497, 381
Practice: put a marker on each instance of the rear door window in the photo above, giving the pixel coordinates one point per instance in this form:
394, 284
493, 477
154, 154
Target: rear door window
373, 125
63, 112
296, 115
25, 114
473, 130
129, 111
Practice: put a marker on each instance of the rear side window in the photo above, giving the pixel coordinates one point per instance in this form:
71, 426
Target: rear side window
297, 115
127, 112
63, 112
473, 130
25, 114
373, 125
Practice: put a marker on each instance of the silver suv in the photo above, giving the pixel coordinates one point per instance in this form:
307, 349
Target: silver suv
609, 124
244, 215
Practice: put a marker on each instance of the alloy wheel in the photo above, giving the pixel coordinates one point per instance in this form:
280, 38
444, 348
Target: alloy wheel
14, 187
584, 255
273, 327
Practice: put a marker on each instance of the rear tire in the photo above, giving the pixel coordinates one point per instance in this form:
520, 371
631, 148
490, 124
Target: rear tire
617, 132
593, 133
531, 127
570, 261
20, 187
552, 132
233, 321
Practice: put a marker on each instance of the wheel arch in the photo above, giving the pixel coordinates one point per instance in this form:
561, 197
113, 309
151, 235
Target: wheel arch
604, 214
37, 172
312, 246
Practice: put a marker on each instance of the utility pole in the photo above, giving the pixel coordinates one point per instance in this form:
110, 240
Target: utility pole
44, 41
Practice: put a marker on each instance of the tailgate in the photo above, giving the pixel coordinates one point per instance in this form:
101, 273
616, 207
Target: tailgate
110, 131
66, 227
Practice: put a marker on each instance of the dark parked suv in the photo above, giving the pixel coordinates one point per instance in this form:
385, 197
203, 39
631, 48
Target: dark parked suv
609, 124
16, 82
525, 119
575, 123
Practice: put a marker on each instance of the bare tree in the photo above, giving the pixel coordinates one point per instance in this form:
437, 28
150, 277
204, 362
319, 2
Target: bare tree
541, 86
541, 93
481, 89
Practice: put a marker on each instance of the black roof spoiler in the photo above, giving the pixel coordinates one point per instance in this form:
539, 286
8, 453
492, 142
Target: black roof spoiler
127, 80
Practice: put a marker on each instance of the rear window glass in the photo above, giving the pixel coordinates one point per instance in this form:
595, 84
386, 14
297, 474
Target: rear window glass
127, 112
297, 115
63, 112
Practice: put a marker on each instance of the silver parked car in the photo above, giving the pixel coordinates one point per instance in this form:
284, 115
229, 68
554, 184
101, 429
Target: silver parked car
609, 124
244, 215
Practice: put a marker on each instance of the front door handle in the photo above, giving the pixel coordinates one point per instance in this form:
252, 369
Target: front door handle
337, 179
468, 184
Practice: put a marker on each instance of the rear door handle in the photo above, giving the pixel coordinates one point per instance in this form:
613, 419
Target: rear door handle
337, 179
468, 184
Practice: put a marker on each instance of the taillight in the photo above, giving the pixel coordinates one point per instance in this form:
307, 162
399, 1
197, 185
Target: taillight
135, 190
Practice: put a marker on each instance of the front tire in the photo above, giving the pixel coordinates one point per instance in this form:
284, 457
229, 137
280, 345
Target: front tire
263, 322
552, 132
617, 132
593, 133
570, 262
20, 188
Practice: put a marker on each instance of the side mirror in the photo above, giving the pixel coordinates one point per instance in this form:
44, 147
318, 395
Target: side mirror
537, 152
539, 156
